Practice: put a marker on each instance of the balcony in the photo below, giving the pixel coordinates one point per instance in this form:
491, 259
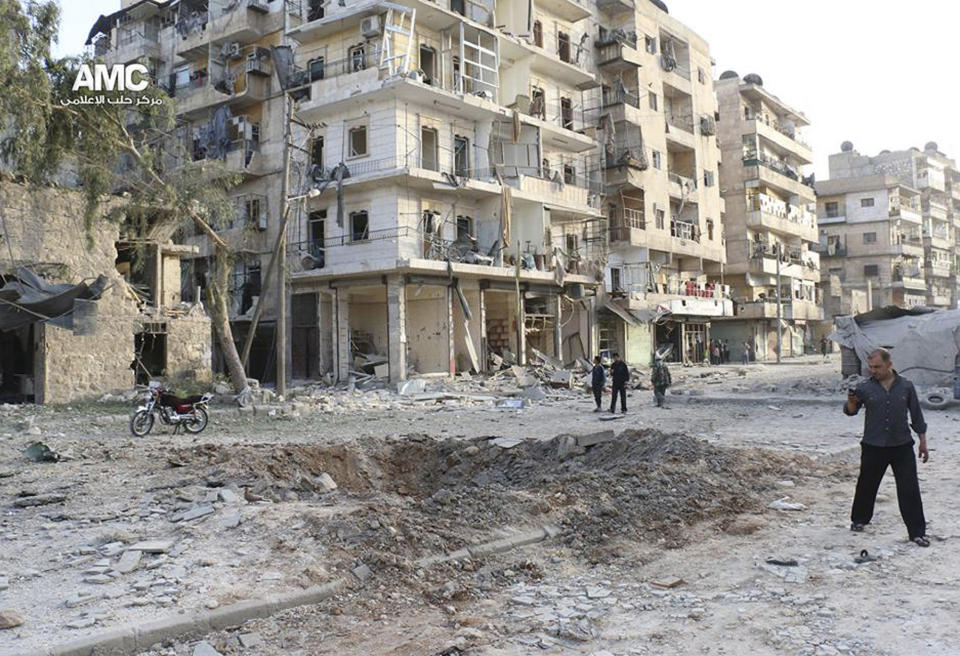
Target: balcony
201, 95
781, 138
779, 175
682, 187
777, 216
937, 240
940, 299
791, 309
562, 58
829, 250
568, 10
248, 20
618, 56
912, 279
908, 247
907, 213
939, 269
935, 210
132, 46
955, 190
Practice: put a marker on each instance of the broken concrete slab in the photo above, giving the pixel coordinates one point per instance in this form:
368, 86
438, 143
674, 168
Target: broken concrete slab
232, 520
81, 598
562, 378
129, 561
567, 447
534, 393
506, 442
596, 438
193, 513
10, 618
228, 496
362, 572
204, 648
668, 583
152, 546
39, 500
325, 483
785, 504
250, 640
411, 387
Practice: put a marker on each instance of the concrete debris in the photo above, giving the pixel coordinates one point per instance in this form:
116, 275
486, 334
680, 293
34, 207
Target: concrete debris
668, 583
595, 438
411, 387
39, 500
152, 546
129, 561
40, 452
534, 393
10, 618
325, 483
204, 648
785, 504
250, 640
195, 512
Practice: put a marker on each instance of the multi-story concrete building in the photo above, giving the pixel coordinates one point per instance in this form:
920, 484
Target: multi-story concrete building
770, 222
663, 202
213, 58
461, 150
937, 180
870, 239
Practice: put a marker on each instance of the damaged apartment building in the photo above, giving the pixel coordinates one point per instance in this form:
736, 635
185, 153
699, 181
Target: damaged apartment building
890, 228
770, 226
469, 180
78, 320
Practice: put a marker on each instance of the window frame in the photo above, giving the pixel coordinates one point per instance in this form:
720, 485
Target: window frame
356, 214
366, 145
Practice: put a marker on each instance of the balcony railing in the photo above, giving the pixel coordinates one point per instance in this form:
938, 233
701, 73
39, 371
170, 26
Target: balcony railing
615, 97
780, 209
684, 230
684, 123
780, 167
358, 61
641, 277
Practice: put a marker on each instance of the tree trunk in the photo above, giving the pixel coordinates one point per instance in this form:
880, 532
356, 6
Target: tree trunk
219, 286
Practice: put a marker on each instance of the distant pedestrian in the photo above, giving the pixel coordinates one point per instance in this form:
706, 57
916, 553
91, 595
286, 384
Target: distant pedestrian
598, 381
887, 441
725, 357
745, 356
714, 352
824, 345
660, 377
619, 375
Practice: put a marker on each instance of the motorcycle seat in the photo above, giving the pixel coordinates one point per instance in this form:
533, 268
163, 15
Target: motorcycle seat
169, 399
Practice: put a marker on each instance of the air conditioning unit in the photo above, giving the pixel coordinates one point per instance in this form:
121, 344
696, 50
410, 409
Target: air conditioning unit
370, 27
256, 65
230, 50
708, 125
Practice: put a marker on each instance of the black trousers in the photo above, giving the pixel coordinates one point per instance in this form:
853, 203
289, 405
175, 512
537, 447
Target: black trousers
598, 395
873, 465
620, 388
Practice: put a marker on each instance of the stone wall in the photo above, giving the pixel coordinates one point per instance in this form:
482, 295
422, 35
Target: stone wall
46, 230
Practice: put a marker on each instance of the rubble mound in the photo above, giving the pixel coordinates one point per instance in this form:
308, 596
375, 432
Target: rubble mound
418, 495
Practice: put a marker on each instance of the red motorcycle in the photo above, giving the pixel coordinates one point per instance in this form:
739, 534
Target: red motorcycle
189, 413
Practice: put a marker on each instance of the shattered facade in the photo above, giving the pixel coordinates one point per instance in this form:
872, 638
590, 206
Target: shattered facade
98, 346
898, 214
770, 225
493, 176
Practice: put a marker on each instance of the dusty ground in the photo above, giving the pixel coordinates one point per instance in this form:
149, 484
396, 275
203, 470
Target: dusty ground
681, 493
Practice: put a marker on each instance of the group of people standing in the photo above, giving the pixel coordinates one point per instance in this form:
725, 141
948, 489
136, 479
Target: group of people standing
719, 351
620, 375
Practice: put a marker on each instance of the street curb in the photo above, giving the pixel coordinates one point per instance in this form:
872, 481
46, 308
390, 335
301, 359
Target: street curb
757, 400
133, 638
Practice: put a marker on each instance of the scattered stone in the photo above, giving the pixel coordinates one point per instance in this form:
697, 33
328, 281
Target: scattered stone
785, 504
786, 483
129, 561
39, 500
204, 648
82, 623
10, 618
98, 579
232, 520
596, 438
152, 546
597, 593
40, 452
112, 549
249, 640
534, 393
81, 598
228, 496
523, 600
667, 583
193, 513
362, 572
325, 482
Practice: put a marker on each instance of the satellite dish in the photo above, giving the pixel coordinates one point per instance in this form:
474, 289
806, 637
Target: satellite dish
847, 146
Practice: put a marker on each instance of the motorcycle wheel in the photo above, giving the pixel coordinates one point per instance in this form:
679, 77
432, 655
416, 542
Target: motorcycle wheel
198, 422
141, 423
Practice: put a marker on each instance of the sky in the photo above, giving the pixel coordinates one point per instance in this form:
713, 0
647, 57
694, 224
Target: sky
879, 73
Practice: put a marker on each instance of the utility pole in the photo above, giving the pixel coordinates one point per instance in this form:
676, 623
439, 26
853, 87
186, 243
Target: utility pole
281, 323
779, 306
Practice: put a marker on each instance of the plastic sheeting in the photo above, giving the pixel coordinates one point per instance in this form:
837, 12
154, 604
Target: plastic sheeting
30, 299
923, 344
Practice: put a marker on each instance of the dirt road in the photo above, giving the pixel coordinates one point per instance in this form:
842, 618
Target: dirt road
242, 510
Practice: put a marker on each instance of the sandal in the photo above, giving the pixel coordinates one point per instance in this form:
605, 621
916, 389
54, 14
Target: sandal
920, 541
856, 527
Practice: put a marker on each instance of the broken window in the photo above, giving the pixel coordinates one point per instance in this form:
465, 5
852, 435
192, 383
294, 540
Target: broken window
653, 100
569, 174
571, 244
461, 156
566, 113
480, 62
615, 278
429, 149
464, 228
459, 6
657, 159
429, 218
538, 103
708, 178
710, 229
563, 46
315, 10
660, 219
359, 226
650, 44
317, 231
870, 237
428, 63
316, 152
358, 58
358, 141
538, 34
833, 209
315, 67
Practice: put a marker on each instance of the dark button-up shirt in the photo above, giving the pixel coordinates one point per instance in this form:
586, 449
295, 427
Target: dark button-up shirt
599, 376
886, 422
619, 372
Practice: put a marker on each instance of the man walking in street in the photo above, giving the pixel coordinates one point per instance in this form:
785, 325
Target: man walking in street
619, 375
889, 398
660, 377
598, 380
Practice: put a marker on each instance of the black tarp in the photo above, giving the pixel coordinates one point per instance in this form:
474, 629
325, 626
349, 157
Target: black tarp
28, 298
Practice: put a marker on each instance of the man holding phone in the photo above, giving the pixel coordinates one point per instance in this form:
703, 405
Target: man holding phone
889, 398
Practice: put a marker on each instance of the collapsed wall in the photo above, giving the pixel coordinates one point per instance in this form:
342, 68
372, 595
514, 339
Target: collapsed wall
44, 231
